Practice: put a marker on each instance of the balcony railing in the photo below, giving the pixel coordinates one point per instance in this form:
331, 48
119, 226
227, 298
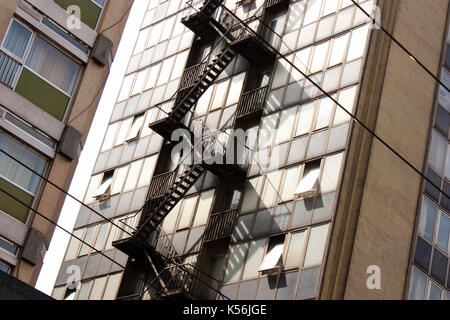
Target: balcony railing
191, 75
273, 3
128, 225
132, 297
252, 101
8, 69
185, 279
220, 225
161, 184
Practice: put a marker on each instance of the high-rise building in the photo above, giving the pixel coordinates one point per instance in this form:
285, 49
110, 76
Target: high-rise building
54, 61
230, 175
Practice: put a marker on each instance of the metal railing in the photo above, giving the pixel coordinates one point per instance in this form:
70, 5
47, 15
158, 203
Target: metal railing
132, 297
128, 226
192, 74
220, 225
251, 102
161, 184
192, 7
187, 279
8, 69
270, 3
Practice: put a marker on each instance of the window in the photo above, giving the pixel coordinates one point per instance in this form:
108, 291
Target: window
15, 172
53, 65
271, 262
308, 185
135, 127
104, 188
4, 267
17, 39
70, 293
29, 61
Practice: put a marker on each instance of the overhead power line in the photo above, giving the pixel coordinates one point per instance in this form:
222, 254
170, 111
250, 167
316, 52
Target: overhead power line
362, 124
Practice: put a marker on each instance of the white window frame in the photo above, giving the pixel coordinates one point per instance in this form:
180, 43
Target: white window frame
308, 185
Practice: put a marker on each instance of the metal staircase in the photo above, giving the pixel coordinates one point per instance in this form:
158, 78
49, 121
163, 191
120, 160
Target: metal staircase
172, 277
187, 98
159, 208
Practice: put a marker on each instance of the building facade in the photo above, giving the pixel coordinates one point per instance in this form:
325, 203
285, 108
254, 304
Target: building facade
278, 193
54, 61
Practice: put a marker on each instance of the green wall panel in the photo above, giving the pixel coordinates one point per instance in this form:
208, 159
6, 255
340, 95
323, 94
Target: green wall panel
42, 94
11, 206
90, 12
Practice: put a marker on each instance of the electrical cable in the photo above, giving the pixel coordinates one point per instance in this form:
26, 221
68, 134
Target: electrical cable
414, 58
364, 126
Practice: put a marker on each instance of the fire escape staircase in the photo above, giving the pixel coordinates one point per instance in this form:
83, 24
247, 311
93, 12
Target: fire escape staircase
143, 244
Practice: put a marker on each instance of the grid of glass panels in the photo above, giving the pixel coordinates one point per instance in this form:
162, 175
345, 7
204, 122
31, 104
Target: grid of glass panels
327, 41
430, 276
128, 156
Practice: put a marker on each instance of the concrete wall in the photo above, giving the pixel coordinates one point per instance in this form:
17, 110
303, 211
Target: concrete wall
62, 170
376, 214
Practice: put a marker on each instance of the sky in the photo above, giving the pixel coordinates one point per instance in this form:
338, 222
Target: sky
80, 181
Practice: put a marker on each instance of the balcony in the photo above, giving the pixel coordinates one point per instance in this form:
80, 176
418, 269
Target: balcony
220, 225
197, 17
192, 75
276, 4
251, 103
184, 281
161, 184
251, 44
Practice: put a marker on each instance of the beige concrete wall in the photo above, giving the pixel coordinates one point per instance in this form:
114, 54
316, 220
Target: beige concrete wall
7, 8
62, 170
376, 214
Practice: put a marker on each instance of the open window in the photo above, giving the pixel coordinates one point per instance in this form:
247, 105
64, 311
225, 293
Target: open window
103, 191
70, 293
136, 127
309, 183
272, 261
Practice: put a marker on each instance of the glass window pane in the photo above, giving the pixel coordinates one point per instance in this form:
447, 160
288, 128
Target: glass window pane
97, 289
234, 266
16, 41
435, 292
443, 232
254, 258
358, 43
417, 285
101, 236
84, 290
290, 183
53, 65
339, 46
112, 287
437, 152
427, 219
331, 171
147, 171
286, 286
295, 251
187, 212
204, 207
316, 245
309, 280
285, 126
88, 238
14, 171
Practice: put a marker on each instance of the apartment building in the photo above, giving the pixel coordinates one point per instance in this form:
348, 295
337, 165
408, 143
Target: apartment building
54, 61
285, 187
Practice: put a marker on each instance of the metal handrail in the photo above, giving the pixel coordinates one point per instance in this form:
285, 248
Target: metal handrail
181, 278
251, 101
220, 225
